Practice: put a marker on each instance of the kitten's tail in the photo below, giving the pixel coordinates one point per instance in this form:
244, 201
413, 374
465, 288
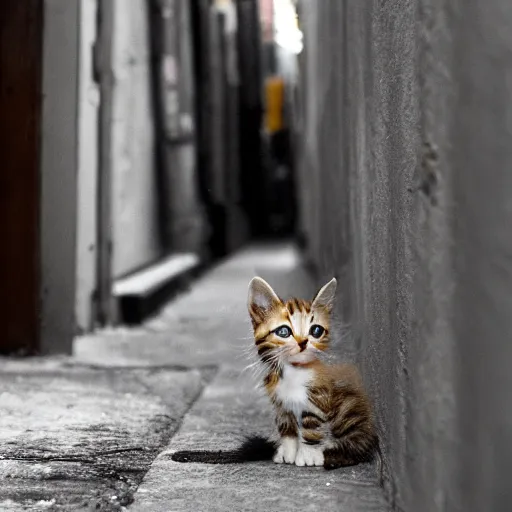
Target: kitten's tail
253, 449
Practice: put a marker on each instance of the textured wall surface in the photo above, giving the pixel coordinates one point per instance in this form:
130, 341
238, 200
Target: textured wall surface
406, 196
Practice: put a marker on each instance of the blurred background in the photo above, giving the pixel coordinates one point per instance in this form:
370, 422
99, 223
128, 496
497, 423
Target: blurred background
154, 135
143, 142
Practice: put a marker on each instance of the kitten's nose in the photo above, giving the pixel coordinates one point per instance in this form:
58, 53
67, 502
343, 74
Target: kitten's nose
302, 344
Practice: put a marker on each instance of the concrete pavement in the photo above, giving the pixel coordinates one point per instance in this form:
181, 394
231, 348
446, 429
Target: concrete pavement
79, 438
97, 431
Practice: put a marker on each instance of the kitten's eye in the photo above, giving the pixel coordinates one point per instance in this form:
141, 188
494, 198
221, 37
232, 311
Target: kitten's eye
283, 332
316, 331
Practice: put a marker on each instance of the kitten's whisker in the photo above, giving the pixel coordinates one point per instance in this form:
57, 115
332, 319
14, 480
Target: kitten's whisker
248, 354
252, 366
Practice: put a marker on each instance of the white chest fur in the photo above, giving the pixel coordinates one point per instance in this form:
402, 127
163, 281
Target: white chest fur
292, 389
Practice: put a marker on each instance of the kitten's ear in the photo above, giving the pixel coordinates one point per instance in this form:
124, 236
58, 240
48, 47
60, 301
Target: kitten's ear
261, 299
326, 295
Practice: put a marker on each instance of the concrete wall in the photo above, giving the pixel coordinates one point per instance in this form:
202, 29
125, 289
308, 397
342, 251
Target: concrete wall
59, 157
136, 239
184, 220
406, 195
87, 200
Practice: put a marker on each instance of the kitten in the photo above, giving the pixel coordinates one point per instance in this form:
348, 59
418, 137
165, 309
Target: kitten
322, 412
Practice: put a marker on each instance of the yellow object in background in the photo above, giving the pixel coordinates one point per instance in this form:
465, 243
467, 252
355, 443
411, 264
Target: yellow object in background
274, 88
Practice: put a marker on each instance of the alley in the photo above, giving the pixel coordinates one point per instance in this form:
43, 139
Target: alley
98, 429
158, 154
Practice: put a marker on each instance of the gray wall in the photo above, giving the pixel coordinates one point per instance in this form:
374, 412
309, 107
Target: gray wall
59, 157
406, 195
135, 237
88, 148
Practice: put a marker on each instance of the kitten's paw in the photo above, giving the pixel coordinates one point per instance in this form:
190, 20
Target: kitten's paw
287, 451
309, 456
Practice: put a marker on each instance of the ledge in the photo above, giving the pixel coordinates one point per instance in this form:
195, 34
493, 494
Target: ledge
140, 294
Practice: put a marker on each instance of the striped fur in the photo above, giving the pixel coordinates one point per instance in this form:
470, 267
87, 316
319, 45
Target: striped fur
323, 415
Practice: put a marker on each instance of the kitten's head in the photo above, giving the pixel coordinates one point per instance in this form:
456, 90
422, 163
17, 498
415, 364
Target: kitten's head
293, 331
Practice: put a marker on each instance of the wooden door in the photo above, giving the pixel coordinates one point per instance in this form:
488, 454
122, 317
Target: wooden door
21, 25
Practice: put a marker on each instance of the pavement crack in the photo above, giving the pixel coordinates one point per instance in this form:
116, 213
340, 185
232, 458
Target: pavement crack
149, 367
29, 458
89, 458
